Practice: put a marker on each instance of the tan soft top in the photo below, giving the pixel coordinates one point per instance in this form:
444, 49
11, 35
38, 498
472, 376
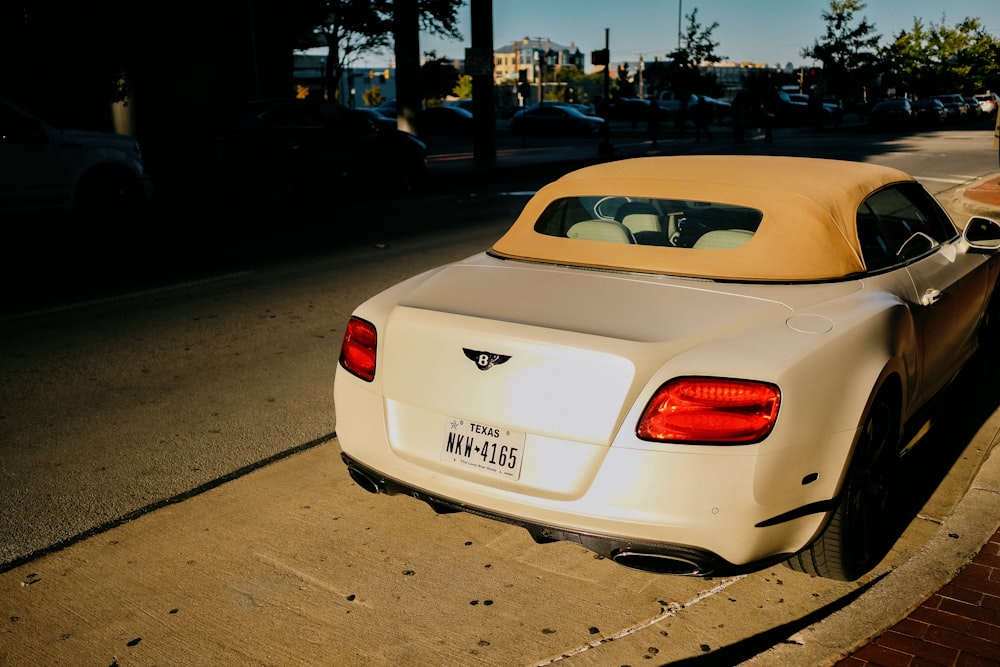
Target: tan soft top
807, 232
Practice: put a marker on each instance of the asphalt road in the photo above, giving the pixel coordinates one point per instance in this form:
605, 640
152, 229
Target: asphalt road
171, 491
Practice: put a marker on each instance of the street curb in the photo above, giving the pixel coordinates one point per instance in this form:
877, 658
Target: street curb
897, 592
979, 197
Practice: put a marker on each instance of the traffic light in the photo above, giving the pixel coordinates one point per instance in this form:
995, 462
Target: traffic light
600, 57
386, 74
522, 83
371, 75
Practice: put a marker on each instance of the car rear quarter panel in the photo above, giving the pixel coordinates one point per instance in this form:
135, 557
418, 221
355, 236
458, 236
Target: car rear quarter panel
826, 380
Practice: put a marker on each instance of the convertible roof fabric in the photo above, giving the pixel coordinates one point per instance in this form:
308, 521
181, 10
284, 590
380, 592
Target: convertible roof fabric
807, 233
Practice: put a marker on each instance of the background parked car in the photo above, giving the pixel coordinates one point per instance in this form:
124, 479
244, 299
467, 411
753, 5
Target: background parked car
289, 148
955, 105
974, 110
380, 120
988, 102
929, 112
445, 121
796, 109
633, 109
464, 103
448, 119
554, 120
43, 168
673, 103
891, 114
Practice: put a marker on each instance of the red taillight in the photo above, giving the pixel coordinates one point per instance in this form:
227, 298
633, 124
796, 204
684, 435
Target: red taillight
357, 354
710, 410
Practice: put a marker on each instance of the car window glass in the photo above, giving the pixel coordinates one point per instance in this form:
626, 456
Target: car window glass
650, 221
891, 217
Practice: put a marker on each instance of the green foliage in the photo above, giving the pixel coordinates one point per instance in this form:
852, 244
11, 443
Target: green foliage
940, 59
373, 96
683, 75
698, 45
352, 28
656, 76
463, 89
924, 60
848, 50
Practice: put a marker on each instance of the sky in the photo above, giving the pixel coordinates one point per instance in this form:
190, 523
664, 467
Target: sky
759, 31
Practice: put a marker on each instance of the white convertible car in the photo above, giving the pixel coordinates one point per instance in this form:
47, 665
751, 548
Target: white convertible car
691, 365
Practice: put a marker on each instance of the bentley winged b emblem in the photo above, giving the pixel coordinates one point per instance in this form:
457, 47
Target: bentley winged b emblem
485, 360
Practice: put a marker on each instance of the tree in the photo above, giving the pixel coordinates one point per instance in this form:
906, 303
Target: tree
463, 89
574, 85
438, 78
684, 74
848, 50
373, 96
350, 29
656, 75
936, 59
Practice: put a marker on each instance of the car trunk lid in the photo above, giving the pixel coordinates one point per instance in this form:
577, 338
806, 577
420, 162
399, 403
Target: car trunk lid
551, 351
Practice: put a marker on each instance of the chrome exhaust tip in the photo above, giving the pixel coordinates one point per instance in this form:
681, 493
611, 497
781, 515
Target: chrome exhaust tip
365, 480
660, 563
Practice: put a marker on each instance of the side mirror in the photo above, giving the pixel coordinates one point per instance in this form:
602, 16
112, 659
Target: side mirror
982, 233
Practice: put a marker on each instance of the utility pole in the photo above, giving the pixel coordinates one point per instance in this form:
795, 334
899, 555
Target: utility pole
642, 96
680, 18
604, 149
484, 144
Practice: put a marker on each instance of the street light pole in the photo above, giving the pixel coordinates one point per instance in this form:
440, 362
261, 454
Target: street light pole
605, 149
680, 18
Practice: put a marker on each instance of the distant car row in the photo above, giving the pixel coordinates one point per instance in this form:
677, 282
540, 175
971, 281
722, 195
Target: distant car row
936, 110
283, 150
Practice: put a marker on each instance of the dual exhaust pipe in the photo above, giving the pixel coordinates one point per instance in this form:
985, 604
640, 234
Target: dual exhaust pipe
658, 559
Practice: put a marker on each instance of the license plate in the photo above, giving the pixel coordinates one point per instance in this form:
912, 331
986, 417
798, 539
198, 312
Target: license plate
489, 449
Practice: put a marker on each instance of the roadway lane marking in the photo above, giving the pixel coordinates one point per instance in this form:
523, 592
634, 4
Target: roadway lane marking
124, 297
946, 180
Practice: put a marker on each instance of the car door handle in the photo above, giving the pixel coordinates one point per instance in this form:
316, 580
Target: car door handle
931, 296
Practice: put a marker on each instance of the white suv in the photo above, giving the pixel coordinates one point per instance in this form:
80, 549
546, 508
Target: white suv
988, 102
43, 168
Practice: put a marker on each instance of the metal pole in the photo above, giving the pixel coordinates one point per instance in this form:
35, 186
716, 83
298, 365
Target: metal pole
605, 149
680, 15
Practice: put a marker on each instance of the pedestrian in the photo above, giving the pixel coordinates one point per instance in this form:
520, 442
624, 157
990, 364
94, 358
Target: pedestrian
739, 116
653, 121
702, 120
816, 108
768, 111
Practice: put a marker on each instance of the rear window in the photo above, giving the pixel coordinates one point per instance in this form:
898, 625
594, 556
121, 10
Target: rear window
653, 222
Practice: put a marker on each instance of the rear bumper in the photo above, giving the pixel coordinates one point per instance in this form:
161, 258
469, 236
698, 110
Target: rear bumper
659, 557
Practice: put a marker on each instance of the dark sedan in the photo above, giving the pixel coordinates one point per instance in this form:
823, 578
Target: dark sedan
891, 114
554, 120
445, 121
929, 112
290, 149
380, 120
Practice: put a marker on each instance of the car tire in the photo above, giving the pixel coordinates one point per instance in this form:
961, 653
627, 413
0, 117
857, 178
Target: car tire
856, 537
